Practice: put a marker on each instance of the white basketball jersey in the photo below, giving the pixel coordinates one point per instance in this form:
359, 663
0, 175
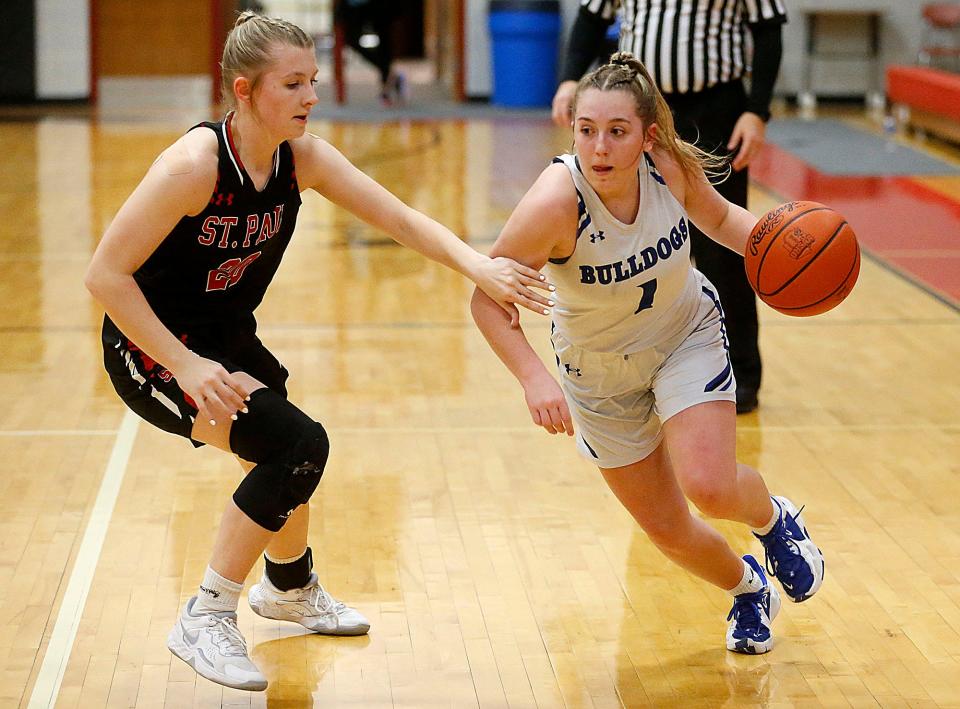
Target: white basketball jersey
626, 287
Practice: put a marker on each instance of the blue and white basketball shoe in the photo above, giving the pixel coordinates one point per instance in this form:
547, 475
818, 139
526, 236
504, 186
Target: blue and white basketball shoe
791, 556
751, 616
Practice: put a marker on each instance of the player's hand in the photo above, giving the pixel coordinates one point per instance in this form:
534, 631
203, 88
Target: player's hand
218, 394
563, 103
548, 407
747, 138
511, 284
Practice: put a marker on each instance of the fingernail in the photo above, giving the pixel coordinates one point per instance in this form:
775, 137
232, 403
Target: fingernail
546, 312
550, 303
233, 416
543, 278
213, 422
247, 399
245, 410
553, 287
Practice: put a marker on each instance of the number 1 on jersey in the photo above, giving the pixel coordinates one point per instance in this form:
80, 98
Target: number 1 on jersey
646, 299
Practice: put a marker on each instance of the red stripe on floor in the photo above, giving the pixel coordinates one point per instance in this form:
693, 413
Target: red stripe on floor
896, 218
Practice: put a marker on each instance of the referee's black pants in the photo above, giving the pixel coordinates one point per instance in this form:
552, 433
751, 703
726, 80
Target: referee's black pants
375, 15
707, 118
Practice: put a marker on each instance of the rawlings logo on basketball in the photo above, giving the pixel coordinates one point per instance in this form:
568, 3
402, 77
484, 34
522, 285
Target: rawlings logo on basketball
798, 243
771, 221
229, 272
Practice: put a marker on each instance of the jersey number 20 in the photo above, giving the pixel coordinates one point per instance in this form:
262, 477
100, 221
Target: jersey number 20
229, 272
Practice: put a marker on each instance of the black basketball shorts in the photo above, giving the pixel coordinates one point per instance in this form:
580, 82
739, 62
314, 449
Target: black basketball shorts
151, 391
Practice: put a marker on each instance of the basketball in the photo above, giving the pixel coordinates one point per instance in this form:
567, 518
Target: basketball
802, 258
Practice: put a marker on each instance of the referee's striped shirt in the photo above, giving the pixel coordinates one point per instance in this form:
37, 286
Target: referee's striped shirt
688, 45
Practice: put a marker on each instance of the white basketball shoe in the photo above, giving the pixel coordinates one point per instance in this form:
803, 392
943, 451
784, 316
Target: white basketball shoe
212, 645
310, 606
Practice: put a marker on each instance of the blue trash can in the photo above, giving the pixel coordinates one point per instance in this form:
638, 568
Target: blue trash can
524, 36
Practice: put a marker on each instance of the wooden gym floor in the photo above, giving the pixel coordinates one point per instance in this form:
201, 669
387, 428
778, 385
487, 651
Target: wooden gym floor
496, 568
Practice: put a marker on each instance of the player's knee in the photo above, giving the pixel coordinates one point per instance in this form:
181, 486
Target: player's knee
710, 495
307, 461
666, 528
660, 535
290, 450
270, 492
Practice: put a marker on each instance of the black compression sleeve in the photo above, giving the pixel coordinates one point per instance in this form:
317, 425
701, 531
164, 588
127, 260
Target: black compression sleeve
767, 50
586, 44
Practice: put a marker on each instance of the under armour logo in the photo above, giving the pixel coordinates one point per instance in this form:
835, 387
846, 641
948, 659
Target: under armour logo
572, 370
594, 238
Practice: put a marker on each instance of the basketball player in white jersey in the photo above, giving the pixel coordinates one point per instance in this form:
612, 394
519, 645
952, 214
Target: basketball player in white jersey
646, 382
180, 272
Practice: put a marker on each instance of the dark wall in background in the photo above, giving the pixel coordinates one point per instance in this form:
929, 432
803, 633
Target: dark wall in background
18, 67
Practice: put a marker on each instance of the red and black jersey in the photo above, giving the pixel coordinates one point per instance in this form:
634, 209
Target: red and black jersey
216, 266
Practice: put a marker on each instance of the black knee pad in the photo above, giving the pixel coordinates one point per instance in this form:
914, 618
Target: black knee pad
290, 451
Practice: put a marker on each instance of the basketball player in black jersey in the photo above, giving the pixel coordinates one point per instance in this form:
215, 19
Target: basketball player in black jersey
180, 272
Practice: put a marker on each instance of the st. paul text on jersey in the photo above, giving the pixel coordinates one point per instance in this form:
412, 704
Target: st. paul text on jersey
262, 226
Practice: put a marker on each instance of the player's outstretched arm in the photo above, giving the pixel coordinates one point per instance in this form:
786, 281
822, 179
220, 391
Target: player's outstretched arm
322, 167
535, 231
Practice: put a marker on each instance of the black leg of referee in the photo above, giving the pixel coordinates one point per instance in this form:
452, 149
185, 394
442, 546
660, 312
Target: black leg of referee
725, 270
708, 118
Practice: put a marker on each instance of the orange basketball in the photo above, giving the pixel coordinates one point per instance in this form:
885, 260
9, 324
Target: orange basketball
802, 258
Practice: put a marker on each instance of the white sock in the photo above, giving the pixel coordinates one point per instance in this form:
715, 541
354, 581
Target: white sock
774, 518
750, 583
217, 594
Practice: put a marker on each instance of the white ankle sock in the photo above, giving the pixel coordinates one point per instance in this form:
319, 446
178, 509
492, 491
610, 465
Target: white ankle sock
750, 583
217, 594
773, 519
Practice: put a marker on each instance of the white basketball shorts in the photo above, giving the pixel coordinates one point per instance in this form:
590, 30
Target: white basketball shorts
619, 401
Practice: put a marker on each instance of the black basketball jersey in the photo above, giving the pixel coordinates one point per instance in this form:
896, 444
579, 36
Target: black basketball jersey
216, 266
